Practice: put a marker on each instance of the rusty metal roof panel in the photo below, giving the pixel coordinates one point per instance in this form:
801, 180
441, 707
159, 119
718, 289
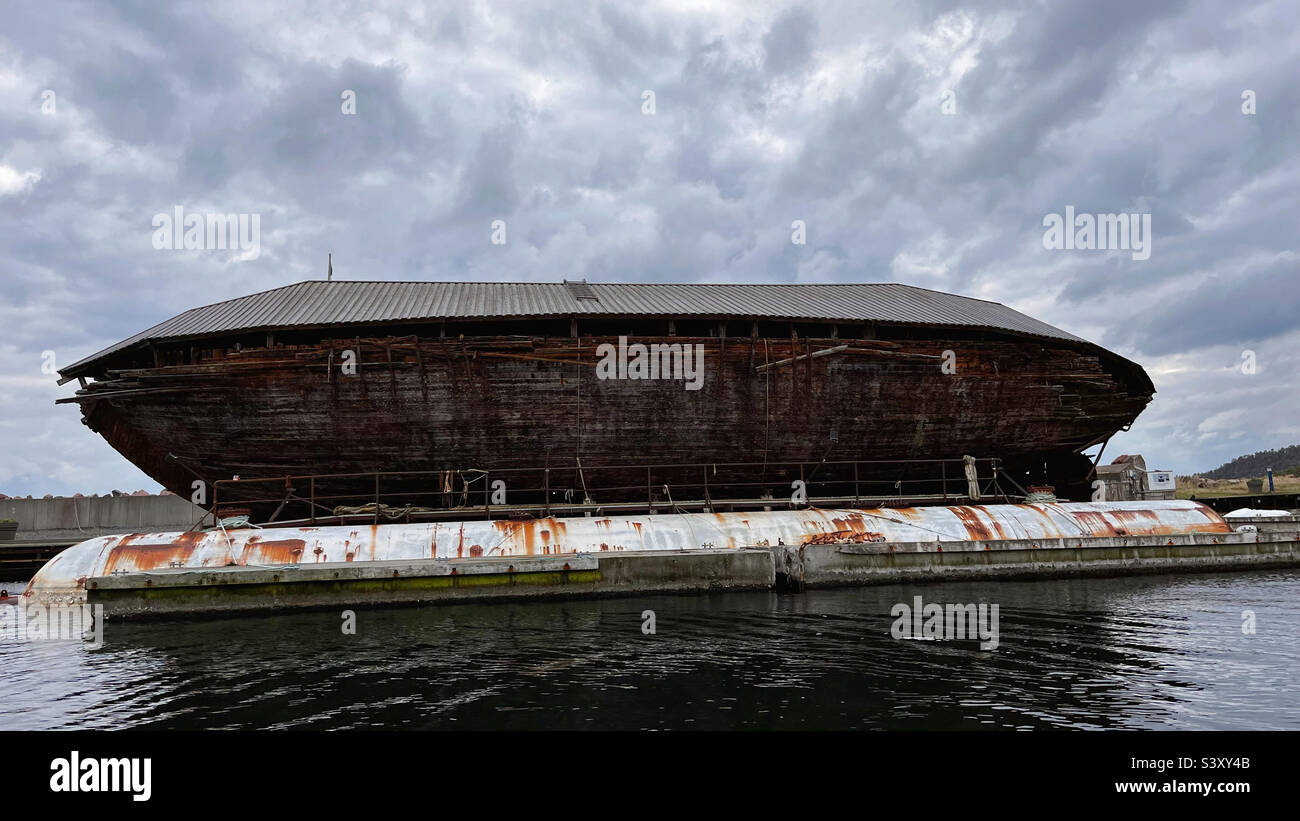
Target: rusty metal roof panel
319, 303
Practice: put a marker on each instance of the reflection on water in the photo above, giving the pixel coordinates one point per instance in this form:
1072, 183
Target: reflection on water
1163, 651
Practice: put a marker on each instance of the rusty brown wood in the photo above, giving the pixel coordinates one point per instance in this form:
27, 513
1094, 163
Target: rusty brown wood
424, 376
392, 374
361, 371
291, 422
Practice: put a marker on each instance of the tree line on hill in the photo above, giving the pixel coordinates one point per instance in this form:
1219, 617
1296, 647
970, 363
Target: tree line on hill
1282, 460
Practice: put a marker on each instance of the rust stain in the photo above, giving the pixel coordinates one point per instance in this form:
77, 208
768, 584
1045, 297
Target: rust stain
145, 556
191, 538
476, 550
516, 532
536, 535
847, 535
1097, 524
832, 537
1051, 526
279, 551
1135, 515
997, 526
974, 525
847, 523
851, 528
1144, 522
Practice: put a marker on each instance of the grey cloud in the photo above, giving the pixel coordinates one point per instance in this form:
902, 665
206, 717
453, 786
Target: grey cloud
789, 42
532, 114
1236, 307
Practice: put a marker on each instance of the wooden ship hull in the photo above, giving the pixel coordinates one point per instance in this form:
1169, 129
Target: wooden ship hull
473, 395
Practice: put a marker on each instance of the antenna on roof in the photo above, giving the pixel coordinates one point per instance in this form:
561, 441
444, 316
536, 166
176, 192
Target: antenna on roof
329, 277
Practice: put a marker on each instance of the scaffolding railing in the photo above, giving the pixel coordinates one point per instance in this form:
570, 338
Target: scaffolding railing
514, 493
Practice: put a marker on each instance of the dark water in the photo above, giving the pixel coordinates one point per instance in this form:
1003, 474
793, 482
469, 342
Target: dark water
1152, 652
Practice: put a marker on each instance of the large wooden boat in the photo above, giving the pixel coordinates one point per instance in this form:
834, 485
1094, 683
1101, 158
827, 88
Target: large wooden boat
353, 377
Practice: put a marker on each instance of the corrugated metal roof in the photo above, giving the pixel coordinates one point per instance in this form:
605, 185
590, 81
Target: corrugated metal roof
320, 303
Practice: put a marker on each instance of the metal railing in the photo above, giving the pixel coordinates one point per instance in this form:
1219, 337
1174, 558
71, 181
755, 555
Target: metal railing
579, 489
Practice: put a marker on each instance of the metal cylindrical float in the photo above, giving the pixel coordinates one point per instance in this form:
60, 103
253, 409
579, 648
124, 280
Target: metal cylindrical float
66, 574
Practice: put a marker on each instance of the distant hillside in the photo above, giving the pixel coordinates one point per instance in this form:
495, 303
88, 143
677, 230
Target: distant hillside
1282, 460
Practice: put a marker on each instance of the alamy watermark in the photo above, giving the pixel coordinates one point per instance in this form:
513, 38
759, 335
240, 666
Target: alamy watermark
207, 231
1099, 232
77, 774
939, 622
38, 622
655, 361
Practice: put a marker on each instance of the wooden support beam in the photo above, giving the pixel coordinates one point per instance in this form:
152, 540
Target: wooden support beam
813, 355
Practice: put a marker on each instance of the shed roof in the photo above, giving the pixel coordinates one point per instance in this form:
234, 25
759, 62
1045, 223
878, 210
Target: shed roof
318, 303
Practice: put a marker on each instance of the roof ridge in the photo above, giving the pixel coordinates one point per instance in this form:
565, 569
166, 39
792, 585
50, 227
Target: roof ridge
962, 296
589, 282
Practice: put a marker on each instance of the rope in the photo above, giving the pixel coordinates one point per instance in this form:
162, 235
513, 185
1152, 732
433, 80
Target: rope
586, 497
915, 525
387, 511
77, 515
972, 478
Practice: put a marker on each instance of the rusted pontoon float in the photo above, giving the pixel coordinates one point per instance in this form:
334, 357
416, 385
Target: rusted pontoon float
258, 569
357, 377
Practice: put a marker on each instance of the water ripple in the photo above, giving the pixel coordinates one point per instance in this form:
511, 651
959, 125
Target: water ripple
1102, 653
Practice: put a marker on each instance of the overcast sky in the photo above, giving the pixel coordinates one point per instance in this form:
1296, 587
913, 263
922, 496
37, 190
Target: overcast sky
919, 142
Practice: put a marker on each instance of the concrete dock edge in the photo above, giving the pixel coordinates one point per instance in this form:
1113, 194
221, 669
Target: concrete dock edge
185, 592
830, 565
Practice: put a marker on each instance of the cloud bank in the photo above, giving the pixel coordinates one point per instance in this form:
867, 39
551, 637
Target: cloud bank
920, 143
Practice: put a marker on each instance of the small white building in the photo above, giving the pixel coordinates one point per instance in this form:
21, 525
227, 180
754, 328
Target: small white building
1128, 480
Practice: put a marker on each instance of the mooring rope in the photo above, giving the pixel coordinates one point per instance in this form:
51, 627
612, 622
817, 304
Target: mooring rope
386, 511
